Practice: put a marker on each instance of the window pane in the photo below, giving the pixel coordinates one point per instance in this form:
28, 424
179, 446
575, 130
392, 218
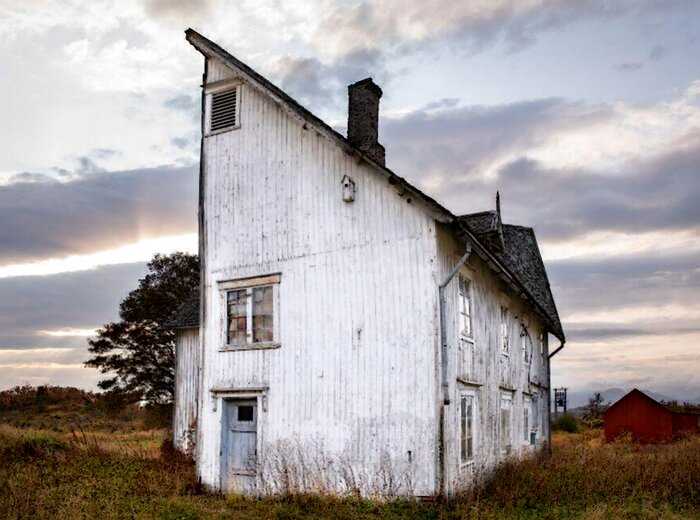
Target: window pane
504, 329
470, 430
464, 308
245, 413
262, 314
505, 426
236, 311
463, 424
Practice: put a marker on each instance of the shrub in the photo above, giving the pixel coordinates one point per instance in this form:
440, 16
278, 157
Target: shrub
566, 423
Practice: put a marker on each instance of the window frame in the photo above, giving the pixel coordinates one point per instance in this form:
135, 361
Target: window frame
464, 294
249, 285
217, 88
469, 395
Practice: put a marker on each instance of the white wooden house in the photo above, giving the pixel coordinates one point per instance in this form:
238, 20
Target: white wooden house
352, 334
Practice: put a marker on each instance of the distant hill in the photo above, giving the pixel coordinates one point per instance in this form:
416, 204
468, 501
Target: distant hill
64, 409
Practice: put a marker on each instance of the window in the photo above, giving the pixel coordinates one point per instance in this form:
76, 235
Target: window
506, 406
223, 109
245, 413
527, 345
466, 422
465, 308
505, 346
251, 311
466, 353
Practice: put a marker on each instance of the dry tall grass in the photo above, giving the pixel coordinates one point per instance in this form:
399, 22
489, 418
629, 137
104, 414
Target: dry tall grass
47, 475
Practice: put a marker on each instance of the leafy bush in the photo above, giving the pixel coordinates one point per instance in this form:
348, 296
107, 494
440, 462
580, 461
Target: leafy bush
566, 423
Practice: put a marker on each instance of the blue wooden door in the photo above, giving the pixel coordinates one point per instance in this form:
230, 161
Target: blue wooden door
239, 440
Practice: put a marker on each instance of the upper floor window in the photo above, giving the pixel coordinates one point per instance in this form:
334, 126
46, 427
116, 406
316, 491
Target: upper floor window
467, 426
505, 340
251, 312
222, 109
465, 307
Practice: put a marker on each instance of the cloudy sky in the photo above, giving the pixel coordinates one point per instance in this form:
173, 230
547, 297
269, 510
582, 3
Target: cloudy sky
584, 113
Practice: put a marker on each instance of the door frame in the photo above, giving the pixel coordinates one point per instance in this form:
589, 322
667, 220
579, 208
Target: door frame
259, 395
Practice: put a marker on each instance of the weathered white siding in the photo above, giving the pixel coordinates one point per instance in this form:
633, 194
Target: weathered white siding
354, 379
492, 374
186, 383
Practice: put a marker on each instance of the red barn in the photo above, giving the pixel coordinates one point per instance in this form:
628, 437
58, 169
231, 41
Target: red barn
647, 419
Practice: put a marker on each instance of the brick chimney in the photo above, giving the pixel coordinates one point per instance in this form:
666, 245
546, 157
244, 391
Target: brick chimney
363, 118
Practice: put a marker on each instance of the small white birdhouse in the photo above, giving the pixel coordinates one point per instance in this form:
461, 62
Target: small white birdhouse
348, 189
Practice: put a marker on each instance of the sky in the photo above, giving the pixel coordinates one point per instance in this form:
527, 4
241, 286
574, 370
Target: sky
585, 114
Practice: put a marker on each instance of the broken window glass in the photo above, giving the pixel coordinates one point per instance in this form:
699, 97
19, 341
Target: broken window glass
262, 314
237, 317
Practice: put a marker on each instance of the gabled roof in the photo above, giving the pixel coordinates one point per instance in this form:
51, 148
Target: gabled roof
516, 269
651, 401
521, 255
641, 394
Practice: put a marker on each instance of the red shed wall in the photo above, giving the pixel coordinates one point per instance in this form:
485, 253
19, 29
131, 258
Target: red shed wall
685, 423
639, 415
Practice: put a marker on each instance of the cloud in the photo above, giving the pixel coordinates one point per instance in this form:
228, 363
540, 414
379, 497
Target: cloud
542, 155
80, 300
179, 11
318, 84
43, 217
629, 66
472, 25
591, 333
184, 103
658, 52
460, 145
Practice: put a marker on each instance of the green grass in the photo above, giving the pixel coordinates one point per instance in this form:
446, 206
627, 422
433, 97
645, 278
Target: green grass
98, 475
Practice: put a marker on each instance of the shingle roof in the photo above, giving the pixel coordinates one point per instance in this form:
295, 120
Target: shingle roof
187, 315
482, 222
522, 257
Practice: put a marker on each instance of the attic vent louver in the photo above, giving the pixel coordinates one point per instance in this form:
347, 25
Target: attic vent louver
223, 110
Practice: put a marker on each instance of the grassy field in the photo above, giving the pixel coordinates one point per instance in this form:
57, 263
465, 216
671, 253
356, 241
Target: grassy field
129, 475
70, 454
